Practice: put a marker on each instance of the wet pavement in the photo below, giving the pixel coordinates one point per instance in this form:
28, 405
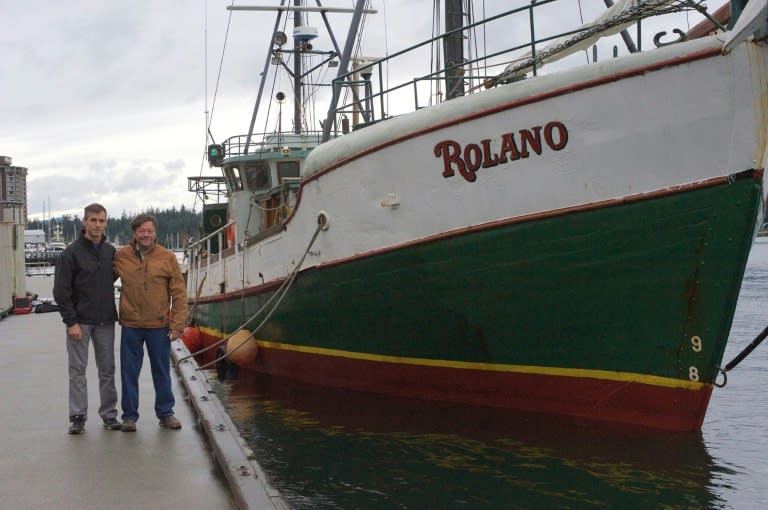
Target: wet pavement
42, 466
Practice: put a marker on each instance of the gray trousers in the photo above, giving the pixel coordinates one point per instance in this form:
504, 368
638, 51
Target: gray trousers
103, 338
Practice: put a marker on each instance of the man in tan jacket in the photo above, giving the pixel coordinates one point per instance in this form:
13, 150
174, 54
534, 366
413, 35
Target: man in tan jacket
153, 304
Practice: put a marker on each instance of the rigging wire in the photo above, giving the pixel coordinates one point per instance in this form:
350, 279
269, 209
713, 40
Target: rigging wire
483, 69
221, 67
209, 114
205, 84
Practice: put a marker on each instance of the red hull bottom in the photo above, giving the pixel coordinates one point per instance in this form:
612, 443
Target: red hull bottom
633, 403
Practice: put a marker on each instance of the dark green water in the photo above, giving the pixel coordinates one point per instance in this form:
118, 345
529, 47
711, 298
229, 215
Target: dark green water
327, 449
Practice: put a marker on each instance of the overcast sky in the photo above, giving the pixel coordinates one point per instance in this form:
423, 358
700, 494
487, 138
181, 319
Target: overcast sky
105, 101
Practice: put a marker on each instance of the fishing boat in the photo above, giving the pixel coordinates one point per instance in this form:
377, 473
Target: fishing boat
550, 238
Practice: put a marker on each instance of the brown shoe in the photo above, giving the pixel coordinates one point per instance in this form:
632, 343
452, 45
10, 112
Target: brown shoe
128, 426
170, 422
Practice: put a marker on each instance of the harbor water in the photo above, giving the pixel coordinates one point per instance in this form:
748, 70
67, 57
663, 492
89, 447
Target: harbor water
330, 449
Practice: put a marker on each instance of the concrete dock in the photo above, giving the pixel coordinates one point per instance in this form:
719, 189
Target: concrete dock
42, 466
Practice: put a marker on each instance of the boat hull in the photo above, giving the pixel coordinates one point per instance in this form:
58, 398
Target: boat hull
619, 311
570, 244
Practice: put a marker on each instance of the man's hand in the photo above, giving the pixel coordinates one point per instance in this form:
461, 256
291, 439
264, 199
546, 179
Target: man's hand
174, 334
74, 332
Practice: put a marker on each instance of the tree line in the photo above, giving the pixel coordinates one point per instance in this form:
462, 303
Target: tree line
174, 226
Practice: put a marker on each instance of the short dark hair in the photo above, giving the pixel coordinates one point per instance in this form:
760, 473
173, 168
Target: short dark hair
143, 218
93, 209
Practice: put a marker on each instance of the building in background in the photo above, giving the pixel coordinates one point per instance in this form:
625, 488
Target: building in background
13, 217
34, 237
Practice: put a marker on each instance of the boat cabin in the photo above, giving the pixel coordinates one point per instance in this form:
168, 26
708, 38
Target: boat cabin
261, 180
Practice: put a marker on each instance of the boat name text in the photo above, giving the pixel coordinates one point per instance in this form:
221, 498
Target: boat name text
473, 156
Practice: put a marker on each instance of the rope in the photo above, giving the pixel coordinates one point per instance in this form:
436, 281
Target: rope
637, 12
740, 357
281, 292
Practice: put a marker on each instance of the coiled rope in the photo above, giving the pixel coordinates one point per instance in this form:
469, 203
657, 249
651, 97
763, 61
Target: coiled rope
279, 294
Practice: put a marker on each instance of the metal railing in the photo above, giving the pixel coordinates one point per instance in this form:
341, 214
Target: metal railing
238, 145
201, 250
374, 102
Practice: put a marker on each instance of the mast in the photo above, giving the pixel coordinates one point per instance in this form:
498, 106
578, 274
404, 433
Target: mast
454, 49
263, 79
343, 66
297, 47
358, 11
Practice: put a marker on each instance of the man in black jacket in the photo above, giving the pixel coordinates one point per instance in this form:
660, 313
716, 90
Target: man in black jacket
83, 289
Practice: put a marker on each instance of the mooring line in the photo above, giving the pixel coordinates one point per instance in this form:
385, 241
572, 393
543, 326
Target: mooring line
740, 357
281, 292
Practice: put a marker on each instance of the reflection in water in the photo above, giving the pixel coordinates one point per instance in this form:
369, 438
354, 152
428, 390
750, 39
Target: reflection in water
327, 448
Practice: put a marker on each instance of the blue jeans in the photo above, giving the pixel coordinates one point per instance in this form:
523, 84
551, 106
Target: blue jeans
158, 343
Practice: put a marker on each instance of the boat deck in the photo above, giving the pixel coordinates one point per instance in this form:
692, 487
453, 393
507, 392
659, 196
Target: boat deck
42, 466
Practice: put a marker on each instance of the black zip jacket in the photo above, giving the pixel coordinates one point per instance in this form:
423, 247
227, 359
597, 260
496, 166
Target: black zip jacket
84, 283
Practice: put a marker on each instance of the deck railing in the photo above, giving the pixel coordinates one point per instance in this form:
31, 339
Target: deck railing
199, 254
264, 142
378, 102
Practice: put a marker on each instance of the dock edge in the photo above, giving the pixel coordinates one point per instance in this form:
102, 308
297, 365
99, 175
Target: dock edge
248, 483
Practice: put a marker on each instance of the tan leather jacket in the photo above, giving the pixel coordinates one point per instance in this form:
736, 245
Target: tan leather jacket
153, 288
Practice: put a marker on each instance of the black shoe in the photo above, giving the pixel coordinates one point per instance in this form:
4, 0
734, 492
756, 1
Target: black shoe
78, 425
112, 424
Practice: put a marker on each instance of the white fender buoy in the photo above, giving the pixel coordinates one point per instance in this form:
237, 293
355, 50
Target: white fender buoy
242, 348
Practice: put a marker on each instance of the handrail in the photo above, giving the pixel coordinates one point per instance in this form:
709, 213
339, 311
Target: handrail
239, 145
476, 81
347, 80
199, 251
212, 234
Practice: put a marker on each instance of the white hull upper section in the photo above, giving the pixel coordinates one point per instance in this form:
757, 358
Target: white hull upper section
628, 133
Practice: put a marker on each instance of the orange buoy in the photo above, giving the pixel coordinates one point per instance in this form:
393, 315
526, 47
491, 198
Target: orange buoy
192, 339
242, 348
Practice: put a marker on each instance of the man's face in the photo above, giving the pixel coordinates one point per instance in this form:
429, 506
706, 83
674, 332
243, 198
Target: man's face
95, 225
145, 234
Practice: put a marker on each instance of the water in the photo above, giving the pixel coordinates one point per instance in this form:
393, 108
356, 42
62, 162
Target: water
328, 449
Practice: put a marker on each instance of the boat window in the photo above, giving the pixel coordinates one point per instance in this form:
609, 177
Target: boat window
258, 176
287, 169
233, 177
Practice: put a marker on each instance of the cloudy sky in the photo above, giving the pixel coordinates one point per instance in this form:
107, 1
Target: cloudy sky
106, 101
